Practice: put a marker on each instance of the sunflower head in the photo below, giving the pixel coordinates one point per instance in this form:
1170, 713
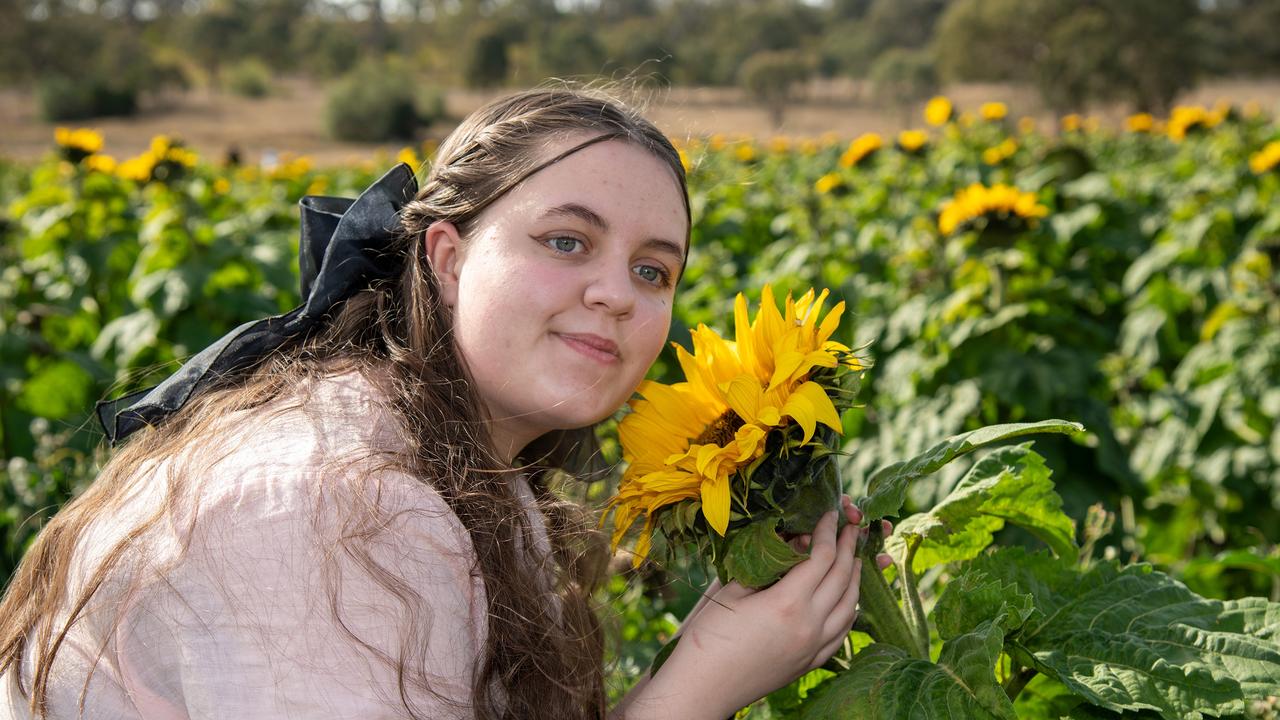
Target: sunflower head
691, 445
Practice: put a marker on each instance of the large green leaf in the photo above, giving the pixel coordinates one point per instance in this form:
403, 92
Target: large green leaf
888, 486
756, 556
1009, 485
1132, 638
884, 683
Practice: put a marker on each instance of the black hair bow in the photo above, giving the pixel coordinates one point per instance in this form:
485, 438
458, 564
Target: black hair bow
345, 246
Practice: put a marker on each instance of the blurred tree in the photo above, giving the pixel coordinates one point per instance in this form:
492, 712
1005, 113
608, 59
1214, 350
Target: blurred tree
866, 29
758, 27
1141, 51
1239, 37
570, 47
638, 47
901, 77
771, 76
488, 58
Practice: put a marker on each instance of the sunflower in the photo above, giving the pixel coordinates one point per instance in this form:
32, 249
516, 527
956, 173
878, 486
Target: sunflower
978, 201
993, 111
1265, 159
688, 441
78, 144
860, 149
912, 141
938, 111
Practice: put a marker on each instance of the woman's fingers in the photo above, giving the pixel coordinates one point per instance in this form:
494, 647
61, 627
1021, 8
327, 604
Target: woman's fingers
841, 619
806, 576
836, 582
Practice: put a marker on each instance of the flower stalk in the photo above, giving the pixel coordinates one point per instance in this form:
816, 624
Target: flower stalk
880, 609
911, 594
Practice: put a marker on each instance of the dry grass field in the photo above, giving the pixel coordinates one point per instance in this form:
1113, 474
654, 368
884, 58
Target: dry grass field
291, 120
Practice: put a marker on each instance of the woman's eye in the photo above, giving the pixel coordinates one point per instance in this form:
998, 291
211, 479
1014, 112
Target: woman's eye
652, 274
565, 244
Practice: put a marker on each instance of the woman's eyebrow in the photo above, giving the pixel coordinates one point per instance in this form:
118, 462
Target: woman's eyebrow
582, 212
591, 217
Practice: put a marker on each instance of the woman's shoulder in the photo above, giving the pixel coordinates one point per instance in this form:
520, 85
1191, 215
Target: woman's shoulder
328, 453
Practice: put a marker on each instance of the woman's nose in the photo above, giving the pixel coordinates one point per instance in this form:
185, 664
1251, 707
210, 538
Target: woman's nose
612, 291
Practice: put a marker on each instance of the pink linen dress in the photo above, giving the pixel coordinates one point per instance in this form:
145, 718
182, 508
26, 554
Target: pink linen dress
241, 626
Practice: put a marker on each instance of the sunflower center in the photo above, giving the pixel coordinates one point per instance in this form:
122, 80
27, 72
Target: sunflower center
722, 430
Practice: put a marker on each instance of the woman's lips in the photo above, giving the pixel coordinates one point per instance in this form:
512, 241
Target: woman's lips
593, 346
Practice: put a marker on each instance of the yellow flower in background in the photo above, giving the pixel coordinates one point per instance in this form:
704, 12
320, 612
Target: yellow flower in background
1252, 109
860, 149
716, 142
938, 111
291, 167
912, 141
1026, 125
684, 161
1091, 124
977, 200
745, 152
829, 138
104, 164
779, 144
1265, 159
1000, 153
686, 441
809, 147
80, 140
1071, 123
1140, 123
967, 119
318, 186
138, 168
221, 186
160, 145
1187, 118
409, 156
993, 111
827, 183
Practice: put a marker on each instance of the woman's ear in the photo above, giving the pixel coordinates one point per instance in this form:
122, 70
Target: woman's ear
444, 248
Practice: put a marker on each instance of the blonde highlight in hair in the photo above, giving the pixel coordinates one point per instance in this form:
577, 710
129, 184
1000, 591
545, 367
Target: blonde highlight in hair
543, 653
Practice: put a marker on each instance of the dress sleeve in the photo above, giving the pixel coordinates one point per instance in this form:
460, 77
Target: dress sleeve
268, 615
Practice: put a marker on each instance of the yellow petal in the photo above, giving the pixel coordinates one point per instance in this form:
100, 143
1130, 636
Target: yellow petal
744, 395
809, 405
715, 502
830, 323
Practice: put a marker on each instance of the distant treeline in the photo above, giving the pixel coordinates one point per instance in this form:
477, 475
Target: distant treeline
101, 54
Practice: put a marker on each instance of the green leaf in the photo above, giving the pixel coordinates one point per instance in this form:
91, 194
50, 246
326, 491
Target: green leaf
58, 390
1132, 638
974, 598
1009, 485
888, 486
884, 683
757, 556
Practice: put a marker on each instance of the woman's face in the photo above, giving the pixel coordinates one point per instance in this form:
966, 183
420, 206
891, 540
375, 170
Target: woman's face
562, 294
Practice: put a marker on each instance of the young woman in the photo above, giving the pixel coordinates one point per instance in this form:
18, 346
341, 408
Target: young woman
342, 512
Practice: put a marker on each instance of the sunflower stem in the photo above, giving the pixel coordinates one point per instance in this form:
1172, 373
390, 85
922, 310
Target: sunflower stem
880, 605
911, 593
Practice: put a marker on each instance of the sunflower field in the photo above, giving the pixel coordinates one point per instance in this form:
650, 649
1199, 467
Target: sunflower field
994, 270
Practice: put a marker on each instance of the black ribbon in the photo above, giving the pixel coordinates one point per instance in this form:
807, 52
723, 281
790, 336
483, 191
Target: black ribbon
345, 245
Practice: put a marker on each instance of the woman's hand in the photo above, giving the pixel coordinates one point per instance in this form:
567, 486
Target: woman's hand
740, 644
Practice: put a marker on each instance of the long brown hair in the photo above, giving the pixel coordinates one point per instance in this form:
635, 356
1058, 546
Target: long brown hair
543, 654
